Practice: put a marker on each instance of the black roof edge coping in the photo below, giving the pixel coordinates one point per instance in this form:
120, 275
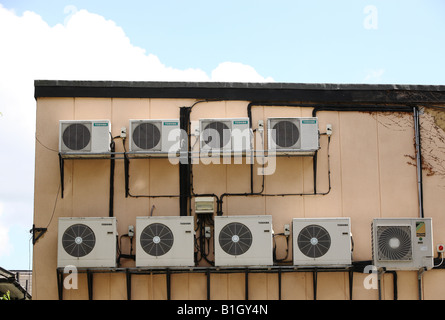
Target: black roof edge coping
249, 91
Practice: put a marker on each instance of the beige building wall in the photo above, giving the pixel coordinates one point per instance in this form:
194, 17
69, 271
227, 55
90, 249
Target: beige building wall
372, 175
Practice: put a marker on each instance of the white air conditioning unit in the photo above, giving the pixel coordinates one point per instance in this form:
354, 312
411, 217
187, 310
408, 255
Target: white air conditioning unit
322, 241
243, 240
293, 135
84, 136
87, 242
165, 241
225, 135
154, 136
402, 243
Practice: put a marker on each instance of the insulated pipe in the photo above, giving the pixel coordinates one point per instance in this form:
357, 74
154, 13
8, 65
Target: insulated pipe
112, 166
187, 176
418, 159
316, 108
415, 112
184, 164
330, 107
420, 272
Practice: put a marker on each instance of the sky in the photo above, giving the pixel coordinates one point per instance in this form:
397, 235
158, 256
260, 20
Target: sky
320, 41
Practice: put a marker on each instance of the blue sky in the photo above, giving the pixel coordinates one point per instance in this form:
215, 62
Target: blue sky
290, 41
382, 41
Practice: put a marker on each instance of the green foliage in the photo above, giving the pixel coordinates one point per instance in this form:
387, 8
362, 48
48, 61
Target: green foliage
6, 296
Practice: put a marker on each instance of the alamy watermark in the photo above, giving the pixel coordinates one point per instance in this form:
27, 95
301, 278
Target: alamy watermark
371, 280
371, 20
70, 280
70, 10
227, 147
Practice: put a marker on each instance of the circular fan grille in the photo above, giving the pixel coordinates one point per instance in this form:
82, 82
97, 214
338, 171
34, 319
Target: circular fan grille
76, 136
235, 238
394, 243
78, 240
216, 135
156, 239
286, 134
314, 241
146, 136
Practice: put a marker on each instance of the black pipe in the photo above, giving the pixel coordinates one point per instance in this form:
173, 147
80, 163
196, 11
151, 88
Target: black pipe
374, 108
126, 171
128, 277
60, 283
316, 108
189, 167
90, 284
127, 182
252, 193
112, 166
208, 284
219, 207
394, 279
351, 281
168, 283
62, 174
419, 281
314, 282
246, 283
127, 189
393, 108
184, 163
418, 159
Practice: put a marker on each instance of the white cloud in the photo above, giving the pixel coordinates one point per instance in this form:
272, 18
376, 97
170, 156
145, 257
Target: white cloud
86, 47
233, 71
90, 47
374, 75
5, 247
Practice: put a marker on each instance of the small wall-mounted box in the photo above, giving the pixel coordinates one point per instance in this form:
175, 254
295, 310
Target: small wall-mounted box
204, 205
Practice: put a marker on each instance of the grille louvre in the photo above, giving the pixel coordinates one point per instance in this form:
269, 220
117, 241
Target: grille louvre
314, 241
76, 136
394, 243
156, 239
78, 240
146, 136
286, 134
216, 134
235, 238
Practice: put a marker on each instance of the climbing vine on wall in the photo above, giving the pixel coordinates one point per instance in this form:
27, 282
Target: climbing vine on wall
432, 135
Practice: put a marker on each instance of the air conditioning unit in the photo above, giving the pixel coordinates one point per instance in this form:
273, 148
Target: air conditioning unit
225, 135
87, 242
165, 241
243, 240
154, 136
293, 135
84, 136
322, 241
402, 243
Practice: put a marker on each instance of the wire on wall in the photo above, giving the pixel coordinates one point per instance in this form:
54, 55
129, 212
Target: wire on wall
127, 181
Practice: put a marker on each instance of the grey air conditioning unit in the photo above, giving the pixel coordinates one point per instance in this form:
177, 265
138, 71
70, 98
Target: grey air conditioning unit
87, 242
243, 240
322, 241
84, 136
165, 241
402, 243
293, 135
225, 135
154, 136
